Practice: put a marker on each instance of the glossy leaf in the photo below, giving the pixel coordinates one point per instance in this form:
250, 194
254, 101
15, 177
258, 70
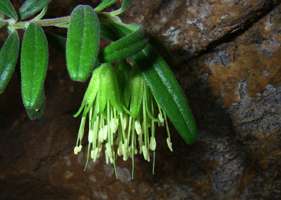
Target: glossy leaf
104, 4
7, 8
8, 59
34, 63
168, 93
82, 45
31, 7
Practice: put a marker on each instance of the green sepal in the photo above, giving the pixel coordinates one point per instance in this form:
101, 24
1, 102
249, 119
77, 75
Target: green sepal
109, 91
122, 69
91, 93
31, 7
8, 59
136, 87
82, 45
7, 8
34, 64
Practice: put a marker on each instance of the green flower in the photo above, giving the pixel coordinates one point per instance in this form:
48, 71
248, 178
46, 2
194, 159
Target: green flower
144, 115
122, 116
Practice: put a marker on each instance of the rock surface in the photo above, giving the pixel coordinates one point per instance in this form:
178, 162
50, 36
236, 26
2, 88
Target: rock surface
230, 68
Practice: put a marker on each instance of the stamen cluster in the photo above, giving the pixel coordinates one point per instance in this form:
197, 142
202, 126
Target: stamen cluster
122, 116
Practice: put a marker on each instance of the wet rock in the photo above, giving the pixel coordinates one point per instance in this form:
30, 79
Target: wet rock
189, 26
244, 77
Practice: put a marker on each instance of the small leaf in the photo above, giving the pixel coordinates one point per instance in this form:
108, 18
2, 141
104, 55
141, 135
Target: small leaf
168, 93
82, 45
104, 4
8, 9
8, 59
34, 63
31, 7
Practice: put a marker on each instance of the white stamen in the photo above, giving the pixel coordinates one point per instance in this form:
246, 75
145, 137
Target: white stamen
138, 127
77, 149
169, 143
125, 150
114, 125
124, 122
152, 144
145, 152
103, 133
161, 118
90, 135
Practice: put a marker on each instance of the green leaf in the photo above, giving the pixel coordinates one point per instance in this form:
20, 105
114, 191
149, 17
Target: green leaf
125, 4
168, 93
82, 45
8, 59
126, 46
104, 4
8, 9
34, 64
31, 7
126, 52
125, 41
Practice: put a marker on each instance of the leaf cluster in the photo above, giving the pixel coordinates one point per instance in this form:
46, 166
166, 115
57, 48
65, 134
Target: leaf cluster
86, 28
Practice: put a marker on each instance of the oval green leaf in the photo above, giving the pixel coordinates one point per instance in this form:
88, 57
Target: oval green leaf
31, 7
82, 44
8, 59
168, 93
34, 64
7, 8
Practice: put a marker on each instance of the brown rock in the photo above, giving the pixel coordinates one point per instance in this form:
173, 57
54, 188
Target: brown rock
192, 26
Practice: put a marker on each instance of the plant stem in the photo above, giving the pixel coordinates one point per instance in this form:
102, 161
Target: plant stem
61, 22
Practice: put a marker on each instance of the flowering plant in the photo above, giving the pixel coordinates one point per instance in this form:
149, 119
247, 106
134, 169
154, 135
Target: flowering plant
131, 91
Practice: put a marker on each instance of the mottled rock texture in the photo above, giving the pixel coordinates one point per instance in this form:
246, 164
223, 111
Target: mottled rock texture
228, 60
